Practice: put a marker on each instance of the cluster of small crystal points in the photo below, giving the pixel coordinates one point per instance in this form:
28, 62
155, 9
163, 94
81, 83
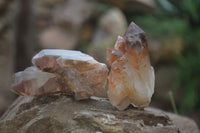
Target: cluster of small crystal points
131, 78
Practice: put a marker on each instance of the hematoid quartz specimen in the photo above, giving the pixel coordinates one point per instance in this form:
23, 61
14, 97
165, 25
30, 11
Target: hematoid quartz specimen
62, 71
131, 79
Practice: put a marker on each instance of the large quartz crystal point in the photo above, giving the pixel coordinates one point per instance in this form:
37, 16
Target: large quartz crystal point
34, 82
80, 73
131, 79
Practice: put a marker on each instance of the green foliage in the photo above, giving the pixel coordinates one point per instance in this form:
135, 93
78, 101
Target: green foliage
162, 28
189, 62
180, 17
102, 7
172, 102
189, 80
186, 9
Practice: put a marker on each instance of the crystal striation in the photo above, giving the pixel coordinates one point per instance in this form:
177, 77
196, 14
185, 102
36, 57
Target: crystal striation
74, 73
131, 79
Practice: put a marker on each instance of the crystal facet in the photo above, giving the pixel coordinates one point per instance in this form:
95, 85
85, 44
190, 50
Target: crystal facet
75, 73
131, 79
33, 82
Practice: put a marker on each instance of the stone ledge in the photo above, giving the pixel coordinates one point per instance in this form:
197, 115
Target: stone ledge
60, 113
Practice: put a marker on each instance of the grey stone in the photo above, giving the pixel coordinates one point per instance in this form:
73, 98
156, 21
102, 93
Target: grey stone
60, 113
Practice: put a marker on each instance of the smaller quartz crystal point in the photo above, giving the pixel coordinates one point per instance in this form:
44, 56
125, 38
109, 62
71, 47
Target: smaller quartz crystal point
131, 79
32, 82
74, 73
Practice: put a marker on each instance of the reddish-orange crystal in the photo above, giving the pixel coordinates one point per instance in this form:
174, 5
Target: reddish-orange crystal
131, 79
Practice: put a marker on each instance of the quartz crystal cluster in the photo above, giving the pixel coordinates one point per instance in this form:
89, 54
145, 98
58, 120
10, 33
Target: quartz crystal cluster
62, 71
131, 79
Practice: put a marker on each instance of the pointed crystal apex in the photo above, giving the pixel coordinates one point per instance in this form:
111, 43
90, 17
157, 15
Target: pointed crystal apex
133, 29
135, 37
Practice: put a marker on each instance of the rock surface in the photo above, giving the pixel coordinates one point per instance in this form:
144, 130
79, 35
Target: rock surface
131, 79
62, 71
186, 125
59, 113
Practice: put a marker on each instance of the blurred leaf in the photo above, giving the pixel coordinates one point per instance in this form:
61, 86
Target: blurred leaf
166, 27
166, 5
162, 28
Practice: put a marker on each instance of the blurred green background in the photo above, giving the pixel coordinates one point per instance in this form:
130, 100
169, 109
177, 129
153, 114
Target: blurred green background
179, 19
172, 28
